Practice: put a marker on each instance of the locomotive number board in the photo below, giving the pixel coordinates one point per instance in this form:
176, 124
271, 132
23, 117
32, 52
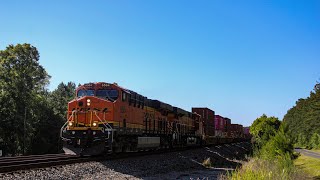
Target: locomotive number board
105, 85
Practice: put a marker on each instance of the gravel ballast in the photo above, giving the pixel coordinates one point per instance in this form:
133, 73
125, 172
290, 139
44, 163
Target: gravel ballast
174, 165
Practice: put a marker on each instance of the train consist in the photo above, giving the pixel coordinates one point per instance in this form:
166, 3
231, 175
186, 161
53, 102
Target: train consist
105, 117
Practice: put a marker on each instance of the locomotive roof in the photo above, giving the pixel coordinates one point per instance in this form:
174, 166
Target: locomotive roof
151, 102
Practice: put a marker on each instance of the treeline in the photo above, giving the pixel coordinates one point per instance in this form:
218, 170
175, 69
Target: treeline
303, 120
274, 140
30, 115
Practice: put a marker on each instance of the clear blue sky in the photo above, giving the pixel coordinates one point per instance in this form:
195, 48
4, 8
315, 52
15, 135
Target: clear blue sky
239, 58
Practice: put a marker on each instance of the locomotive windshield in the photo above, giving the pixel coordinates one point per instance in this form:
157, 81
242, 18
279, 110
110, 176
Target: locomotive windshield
110, 94
83, 92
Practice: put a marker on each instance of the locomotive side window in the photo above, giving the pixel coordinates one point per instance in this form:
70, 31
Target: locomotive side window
133, 98
124, 96
83, 92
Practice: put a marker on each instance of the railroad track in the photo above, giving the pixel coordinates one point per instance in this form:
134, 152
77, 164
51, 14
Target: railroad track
9, 164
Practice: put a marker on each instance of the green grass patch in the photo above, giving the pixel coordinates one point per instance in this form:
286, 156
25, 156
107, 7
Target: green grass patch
309, 165
262, 169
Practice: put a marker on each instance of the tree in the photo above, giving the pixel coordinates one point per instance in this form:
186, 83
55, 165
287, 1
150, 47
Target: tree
52, 117
60, 97
22, 81
263, 128
303, 120
314, 141
56, 109
301, 140
30, 116
317, 87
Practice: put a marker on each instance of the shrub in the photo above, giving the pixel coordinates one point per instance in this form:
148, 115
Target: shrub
274, 160
314, 141
277, 147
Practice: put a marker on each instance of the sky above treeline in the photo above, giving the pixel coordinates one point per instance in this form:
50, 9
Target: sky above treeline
239, 58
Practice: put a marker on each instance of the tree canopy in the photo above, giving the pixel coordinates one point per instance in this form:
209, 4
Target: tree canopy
303, 120
30, 115
263, 128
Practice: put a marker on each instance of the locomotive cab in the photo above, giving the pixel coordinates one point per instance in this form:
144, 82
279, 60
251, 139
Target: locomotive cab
87, 130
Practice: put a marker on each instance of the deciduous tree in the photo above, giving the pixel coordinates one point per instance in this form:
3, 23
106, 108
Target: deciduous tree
263, 128
22, 81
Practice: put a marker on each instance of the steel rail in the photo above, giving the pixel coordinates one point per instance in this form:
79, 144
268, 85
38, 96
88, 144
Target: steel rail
10, 164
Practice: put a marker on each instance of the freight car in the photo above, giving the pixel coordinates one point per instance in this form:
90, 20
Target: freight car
105, 117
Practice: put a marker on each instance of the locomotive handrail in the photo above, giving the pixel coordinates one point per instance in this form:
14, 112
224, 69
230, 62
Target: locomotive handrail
64, 126
106, 124
61, 130
103, 121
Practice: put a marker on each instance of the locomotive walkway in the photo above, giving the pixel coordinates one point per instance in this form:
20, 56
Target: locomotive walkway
308, 153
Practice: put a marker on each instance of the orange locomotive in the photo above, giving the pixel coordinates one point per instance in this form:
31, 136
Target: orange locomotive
105, 117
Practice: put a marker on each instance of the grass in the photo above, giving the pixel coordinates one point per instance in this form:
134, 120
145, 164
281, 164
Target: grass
309, 165
207, 163
257, 169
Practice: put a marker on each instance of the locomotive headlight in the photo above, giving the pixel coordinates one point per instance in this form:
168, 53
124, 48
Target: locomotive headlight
94, 124
88, 100
70, 123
